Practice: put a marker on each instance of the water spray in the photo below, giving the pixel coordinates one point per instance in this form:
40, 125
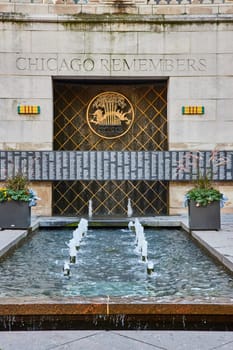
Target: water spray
90, 209
131, 226
80, 232
144, 250
77, 237
74, 243
73, 254
83, 226
129, 209
72, 250
66, 269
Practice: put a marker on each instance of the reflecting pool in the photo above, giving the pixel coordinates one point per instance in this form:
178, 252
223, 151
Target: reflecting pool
108, 264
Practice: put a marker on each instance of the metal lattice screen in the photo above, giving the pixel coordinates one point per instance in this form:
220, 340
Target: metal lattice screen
148, 132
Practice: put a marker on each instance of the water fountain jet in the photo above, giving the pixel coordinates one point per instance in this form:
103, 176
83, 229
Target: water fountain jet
90, 208
72, 250
66, 269
144, 250
129, 209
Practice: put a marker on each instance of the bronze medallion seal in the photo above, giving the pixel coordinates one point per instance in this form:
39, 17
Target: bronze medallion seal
110, 115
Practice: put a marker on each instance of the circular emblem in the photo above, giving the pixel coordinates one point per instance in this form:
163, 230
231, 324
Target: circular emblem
110, 115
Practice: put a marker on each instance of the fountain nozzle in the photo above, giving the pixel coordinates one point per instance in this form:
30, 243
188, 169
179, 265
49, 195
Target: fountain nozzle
150, 268
66, 269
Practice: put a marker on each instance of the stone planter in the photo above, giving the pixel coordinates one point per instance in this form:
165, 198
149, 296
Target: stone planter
204, 218
15, 215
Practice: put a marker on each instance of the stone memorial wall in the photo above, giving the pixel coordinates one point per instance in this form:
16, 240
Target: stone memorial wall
116, 165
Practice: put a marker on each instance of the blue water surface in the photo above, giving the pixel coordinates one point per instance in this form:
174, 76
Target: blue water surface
108, 264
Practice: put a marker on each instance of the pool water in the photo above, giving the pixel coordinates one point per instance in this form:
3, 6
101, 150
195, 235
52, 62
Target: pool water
108, 265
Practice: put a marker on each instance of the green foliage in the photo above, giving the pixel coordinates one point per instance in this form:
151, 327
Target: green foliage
203, 191
204, 196
17, 189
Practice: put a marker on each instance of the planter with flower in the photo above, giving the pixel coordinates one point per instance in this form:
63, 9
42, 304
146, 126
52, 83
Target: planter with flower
204, 202
16, 200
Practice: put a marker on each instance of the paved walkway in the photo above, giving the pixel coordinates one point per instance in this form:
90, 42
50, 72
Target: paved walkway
116, 340
9, 239
219, 243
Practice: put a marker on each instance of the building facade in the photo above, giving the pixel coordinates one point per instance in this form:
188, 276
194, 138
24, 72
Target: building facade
103, 101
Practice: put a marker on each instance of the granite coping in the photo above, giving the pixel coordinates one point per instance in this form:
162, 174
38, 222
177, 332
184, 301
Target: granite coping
10, 238
218, 243
60, 316
55, 308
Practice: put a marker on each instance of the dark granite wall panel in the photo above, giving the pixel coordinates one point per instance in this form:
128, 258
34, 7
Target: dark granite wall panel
117, 165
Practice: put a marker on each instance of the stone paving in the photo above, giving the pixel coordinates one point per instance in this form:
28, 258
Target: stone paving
219, 243
116, 340
9, 239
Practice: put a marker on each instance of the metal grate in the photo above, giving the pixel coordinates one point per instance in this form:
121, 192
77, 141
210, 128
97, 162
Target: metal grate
72, 132
110, 197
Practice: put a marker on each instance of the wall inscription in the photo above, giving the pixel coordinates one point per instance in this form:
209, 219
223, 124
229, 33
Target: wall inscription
130, 64
115, 165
